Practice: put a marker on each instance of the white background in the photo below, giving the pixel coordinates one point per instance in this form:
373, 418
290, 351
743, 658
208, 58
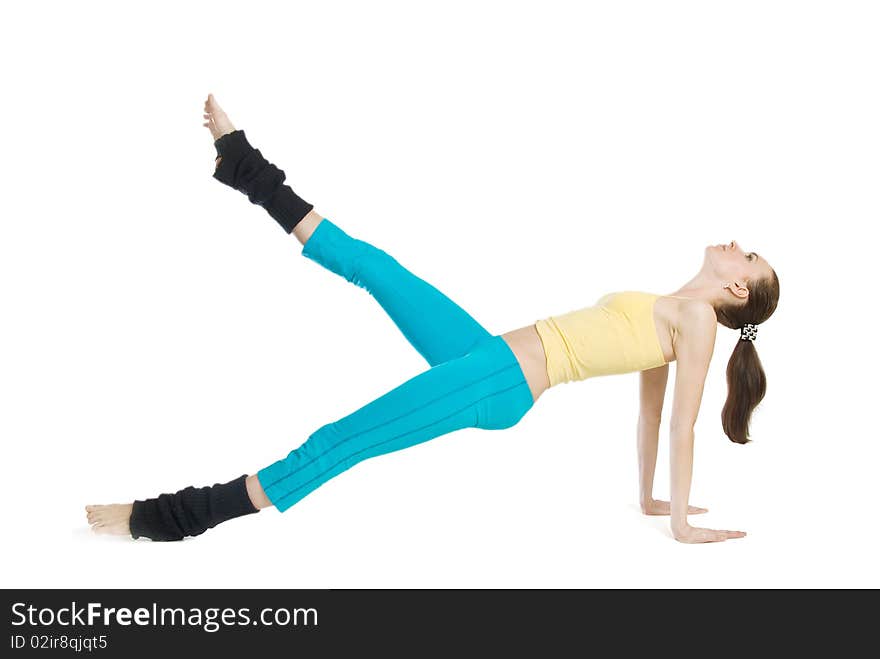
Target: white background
159, 331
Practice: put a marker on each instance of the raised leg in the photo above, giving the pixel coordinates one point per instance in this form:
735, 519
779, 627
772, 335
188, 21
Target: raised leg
437, 327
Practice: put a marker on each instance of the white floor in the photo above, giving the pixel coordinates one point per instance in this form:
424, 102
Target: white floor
533, 506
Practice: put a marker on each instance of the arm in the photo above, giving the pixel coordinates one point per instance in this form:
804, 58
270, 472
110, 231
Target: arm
693, 351
652, 390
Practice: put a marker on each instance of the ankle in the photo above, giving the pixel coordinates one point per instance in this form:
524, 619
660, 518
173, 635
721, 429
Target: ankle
256, 493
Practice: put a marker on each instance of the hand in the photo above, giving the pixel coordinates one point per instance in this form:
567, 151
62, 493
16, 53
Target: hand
657, 507
693, 534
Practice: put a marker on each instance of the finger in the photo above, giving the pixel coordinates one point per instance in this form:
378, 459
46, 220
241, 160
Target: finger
711, 535
736, 534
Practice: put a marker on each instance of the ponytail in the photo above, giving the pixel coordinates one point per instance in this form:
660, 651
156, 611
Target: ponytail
746, 382
746, 386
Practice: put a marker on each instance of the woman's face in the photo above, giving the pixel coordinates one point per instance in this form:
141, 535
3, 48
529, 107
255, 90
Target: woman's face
731, 264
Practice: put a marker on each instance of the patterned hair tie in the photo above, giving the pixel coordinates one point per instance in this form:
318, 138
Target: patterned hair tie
748, 332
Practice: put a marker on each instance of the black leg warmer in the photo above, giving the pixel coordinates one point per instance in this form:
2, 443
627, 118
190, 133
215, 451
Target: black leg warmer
245, 169
190, 511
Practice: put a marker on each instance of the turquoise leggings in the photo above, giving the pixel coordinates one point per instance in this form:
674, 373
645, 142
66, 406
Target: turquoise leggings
474, 379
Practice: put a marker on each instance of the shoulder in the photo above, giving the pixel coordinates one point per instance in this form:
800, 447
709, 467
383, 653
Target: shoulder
696, 328
697, 314
687, 314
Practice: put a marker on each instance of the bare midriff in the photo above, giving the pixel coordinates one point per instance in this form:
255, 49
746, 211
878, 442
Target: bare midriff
529, 350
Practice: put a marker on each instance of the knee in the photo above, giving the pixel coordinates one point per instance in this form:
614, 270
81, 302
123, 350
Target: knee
367, 259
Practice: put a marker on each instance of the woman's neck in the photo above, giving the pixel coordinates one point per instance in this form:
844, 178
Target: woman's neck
699, 288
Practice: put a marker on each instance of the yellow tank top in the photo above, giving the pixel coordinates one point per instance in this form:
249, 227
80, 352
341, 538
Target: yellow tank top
616, 335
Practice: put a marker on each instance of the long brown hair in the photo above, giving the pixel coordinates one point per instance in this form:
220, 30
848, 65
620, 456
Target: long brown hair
746, 382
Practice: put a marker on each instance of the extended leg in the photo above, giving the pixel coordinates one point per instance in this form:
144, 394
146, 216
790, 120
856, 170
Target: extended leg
482, 389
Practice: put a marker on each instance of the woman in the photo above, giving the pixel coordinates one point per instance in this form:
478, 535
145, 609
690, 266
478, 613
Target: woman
480, 380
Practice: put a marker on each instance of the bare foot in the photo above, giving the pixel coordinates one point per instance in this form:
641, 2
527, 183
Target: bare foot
217, 121
111, 519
